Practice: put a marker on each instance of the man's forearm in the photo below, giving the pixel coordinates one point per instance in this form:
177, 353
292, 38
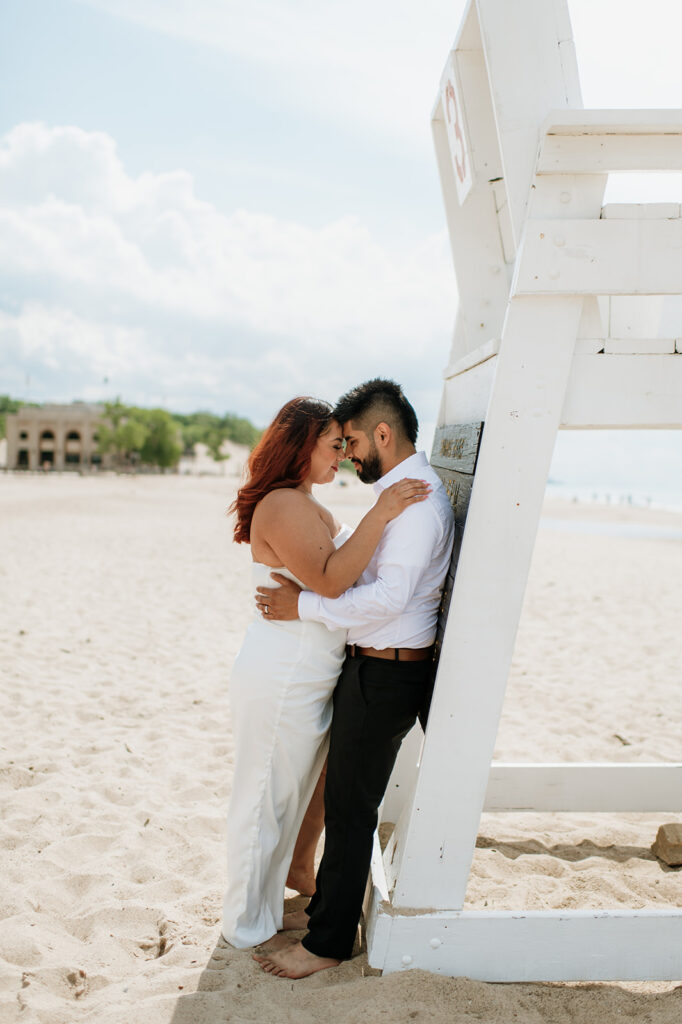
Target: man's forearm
369, 603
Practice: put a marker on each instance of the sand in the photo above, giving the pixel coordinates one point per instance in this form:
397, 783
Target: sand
123, 603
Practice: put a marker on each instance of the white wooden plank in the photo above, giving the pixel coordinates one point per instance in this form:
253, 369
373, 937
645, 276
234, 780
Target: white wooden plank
456, 129
594, 319
640, 211
402, 776
482, 282
670, 322
566, 121
631, 346
377, 873
635, 316
600, 257
614, 392
377, 931
569, 67
516, 450
584, 787
590, 345
466, 395
473, 358
504, 946
564, 28
591, 154
566, 196
395, 846
478, 111
468, 37
377, 924
459, 342
521, 46
589, 141
480, 266
505, 223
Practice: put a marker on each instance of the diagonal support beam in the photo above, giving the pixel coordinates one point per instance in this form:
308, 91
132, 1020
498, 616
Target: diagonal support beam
513, 462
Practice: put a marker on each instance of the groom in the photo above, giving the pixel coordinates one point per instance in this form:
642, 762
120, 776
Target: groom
391, 616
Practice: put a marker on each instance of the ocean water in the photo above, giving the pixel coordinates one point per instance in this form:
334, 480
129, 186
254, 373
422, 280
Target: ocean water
660, 498
642, 468
643, 531
665, 495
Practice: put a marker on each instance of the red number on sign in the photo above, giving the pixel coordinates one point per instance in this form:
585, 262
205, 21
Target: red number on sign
460, 165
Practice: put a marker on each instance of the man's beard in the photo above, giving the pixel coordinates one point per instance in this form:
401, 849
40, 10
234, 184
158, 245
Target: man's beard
371, 469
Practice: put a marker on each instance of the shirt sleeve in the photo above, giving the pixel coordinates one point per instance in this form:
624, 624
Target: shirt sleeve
405, 550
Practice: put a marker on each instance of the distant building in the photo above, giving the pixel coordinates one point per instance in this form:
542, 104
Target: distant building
55, 437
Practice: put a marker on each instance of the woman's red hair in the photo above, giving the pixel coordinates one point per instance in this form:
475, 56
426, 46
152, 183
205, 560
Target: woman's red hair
281, 458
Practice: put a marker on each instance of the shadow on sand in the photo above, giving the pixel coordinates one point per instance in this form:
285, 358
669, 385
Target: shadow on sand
232, 988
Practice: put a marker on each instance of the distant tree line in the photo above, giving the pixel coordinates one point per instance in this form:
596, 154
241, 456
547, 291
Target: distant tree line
211, 430
155, 437
139, 437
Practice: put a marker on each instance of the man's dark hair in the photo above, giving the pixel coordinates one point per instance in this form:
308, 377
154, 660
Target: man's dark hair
378, 401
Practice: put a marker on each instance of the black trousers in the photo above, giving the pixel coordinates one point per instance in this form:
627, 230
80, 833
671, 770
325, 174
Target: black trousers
376, 703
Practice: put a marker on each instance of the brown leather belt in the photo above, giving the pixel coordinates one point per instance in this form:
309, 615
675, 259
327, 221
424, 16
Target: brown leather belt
391, 653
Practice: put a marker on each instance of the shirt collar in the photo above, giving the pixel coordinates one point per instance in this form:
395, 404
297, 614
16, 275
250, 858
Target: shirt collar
413, 465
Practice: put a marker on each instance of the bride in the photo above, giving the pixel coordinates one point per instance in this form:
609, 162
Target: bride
284, 675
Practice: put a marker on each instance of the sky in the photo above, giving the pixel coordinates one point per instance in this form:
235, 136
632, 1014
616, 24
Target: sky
218, 205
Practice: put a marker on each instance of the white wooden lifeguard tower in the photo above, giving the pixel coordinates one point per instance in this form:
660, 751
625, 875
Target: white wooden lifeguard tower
559, 303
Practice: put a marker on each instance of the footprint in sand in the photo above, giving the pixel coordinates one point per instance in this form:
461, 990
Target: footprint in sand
78, 981
158, 946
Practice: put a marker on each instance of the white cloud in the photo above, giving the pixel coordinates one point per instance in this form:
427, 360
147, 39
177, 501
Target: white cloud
138, 280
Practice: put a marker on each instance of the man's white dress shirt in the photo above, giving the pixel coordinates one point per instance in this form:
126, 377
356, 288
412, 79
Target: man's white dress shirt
395, 601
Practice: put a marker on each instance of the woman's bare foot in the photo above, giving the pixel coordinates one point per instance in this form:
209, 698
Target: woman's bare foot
295, 962
299, 881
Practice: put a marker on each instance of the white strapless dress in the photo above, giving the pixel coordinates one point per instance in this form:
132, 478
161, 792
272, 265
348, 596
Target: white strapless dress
280, 702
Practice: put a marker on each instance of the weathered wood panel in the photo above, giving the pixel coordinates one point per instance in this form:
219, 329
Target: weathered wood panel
454, 455
456, 447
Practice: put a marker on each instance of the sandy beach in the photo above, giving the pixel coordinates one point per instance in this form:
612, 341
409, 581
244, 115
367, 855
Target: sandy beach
123, 603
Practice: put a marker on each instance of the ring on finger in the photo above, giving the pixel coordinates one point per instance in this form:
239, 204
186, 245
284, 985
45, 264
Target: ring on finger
266, 609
